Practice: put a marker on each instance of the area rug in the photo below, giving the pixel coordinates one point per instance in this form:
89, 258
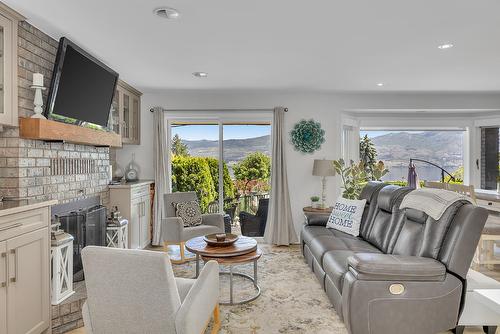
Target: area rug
292, 301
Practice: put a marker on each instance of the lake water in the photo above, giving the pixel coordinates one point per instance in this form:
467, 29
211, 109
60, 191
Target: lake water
427, 173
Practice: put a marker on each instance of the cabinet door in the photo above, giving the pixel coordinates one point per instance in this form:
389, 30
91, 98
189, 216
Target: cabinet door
126, 116
3, 287
115, 120
135, 120
145, 222
28, 287
134, 224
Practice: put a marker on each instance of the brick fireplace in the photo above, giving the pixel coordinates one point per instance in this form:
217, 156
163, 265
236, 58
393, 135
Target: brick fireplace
37, 169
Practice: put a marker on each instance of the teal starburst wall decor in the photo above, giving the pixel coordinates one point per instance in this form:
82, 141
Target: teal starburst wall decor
307, 136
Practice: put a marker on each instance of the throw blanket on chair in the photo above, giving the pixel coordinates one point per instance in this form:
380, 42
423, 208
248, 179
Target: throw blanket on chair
433, 202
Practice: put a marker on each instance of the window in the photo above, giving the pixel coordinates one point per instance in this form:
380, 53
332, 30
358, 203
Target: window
228, 164
440, 147
490, 153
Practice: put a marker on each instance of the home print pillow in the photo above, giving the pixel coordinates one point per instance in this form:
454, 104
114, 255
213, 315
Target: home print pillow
346, 215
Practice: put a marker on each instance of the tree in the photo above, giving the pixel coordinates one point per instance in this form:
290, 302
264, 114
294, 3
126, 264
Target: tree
178, 147
368, 156
255, 166
228, 184
193, 174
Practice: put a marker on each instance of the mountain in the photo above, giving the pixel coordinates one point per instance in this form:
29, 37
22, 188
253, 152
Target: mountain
441, 147
234, 149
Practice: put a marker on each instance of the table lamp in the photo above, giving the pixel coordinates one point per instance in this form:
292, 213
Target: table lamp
323, 168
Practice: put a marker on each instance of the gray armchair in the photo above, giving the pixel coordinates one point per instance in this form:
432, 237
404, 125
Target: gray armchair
175, 233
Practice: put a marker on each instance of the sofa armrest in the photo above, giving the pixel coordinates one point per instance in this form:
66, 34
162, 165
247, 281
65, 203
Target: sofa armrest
213, 219
387, 267
315, 219
171, 229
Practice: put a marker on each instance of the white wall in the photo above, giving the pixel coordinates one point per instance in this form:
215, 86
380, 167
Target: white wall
323, 107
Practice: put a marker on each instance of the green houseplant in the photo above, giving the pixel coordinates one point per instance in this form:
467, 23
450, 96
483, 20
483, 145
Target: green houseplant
353, 177
314, 201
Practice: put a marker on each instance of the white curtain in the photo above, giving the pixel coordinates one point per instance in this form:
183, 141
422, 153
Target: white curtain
161, 162
279, 226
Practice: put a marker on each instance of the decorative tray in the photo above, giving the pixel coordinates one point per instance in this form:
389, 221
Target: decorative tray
229, 239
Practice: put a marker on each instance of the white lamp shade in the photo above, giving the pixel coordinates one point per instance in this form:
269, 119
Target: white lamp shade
323, 167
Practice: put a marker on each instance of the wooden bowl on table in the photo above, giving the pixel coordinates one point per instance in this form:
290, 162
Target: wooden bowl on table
220, 239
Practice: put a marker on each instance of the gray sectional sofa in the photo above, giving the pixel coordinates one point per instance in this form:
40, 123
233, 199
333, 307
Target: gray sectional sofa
405, 273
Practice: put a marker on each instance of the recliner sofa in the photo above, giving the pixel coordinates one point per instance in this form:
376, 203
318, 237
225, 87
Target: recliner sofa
405, 273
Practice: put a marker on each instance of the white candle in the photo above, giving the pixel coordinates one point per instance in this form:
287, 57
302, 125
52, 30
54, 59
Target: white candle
37, 79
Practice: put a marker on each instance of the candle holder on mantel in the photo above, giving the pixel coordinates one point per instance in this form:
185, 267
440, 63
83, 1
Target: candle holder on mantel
38, 101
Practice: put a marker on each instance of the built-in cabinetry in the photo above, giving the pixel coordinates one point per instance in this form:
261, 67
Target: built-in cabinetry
9, 20
134, 203
25, 267
125, 113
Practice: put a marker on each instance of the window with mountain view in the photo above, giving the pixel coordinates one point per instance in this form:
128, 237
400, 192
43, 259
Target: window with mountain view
242, 161
395, 148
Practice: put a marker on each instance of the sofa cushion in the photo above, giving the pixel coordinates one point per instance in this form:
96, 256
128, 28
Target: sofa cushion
370, 193
322, 244
308, 233
387, 218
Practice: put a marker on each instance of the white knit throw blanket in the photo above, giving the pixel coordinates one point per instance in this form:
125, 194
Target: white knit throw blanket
433, 202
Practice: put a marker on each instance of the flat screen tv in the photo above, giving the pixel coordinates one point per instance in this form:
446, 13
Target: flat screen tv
82, 88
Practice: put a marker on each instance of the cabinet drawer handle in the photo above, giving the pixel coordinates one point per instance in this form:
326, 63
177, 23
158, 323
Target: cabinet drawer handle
5, 228
14, 279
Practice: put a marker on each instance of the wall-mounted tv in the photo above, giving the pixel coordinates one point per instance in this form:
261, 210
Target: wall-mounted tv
81, 89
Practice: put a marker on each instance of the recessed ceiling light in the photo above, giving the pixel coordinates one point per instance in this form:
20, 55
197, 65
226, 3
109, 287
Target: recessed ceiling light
445, 46
167, 13
380, 84
200, 74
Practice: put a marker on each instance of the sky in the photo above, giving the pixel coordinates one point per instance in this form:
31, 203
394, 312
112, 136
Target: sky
211, 132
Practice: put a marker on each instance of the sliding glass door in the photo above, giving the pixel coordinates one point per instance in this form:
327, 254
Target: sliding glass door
227, 164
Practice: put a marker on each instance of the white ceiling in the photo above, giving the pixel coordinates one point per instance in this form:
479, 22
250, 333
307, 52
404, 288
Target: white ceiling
285, 44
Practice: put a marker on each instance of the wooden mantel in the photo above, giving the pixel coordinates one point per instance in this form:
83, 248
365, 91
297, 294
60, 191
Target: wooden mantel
43, 129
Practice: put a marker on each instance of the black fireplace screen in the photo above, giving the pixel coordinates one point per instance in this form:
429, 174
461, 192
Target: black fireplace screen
88, 227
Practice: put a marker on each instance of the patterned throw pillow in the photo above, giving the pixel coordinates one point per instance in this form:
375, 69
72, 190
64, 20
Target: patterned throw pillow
189, 212
346, 215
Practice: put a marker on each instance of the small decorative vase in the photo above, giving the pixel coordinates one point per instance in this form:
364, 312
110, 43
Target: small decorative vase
132, 171
117, 172
498, 187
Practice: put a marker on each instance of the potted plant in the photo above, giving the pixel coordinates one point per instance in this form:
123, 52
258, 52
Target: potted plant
353, 177
314, 202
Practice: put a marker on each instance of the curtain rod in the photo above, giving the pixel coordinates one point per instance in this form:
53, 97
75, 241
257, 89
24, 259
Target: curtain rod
222, 109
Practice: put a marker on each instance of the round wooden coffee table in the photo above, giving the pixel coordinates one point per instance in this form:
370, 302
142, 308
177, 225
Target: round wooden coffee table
244, 250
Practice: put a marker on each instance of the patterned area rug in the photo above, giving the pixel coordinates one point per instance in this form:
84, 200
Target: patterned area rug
292, 300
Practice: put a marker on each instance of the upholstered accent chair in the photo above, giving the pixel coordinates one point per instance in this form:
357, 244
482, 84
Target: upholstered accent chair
135, 291
175, 233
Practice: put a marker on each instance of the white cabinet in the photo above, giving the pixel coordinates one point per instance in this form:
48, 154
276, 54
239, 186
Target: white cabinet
134, 202
125, 113
25, 269
9, 20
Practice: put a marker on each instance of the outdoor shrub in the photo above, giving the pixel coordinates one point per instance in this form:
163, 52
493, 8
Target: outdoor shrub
193, 174
228, 186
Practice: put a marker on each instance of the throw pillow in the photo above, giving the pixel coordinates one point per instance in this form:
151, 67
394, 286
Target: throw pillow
346, 215
189, 212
